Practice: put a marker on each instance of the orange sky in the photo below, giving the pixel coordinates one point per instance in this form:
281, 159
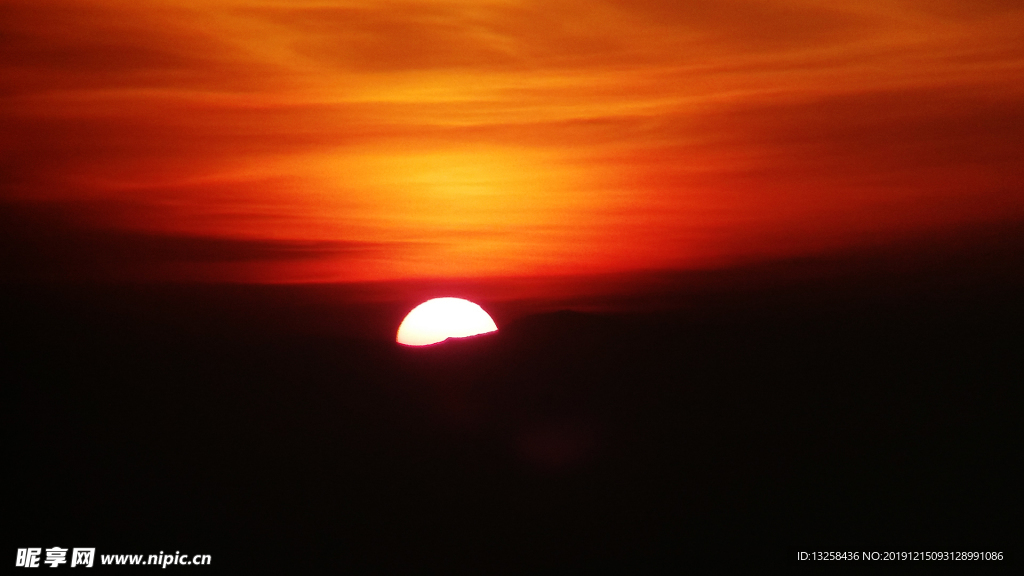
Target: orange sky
290, 141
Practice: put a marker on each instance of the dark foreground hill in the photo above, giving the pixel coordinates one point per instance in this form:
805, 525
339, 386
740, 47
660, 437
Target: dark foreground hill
750, 431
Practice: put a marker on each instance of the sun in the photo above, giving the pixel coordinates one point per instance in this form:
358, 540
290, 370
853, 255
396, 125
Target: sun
442, 318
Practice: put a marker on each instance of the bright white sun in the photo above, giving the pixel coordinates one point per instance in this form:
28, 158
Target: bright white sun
441, 318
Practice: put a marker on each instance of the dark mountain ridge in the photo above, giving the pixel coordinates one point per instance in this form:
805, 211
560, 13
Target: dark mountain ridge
800, 418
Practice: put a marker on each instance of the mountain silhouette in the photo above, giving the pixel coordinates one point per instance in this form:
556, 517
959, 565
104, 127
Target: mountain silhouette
798, 419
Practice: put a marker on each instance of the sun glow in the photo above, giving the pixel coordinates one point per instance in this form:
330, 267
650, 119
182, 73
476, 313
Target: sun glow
442, 318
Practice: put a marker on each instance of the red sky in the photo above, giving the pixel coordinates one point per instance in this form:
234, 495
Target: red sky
295, 141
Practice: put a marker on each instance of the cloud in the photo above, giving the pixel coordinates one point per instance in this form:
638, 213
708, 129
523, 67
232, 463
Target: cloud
508, 137
48, 242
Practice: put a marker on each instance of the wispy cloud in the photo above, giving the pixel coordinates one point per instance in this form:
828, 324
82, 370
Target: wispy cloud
511, 137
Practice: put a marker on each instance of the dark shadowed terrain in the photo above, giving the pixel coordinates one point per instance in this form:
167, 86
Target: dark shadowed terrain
872, 409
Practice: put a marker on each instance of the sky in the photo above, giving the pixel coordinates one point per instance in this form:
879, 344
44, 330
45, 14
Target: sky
334, 141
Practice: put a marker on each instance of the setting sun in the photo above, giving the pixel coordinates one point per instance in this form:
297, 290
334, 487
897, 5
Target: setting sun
442, 318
